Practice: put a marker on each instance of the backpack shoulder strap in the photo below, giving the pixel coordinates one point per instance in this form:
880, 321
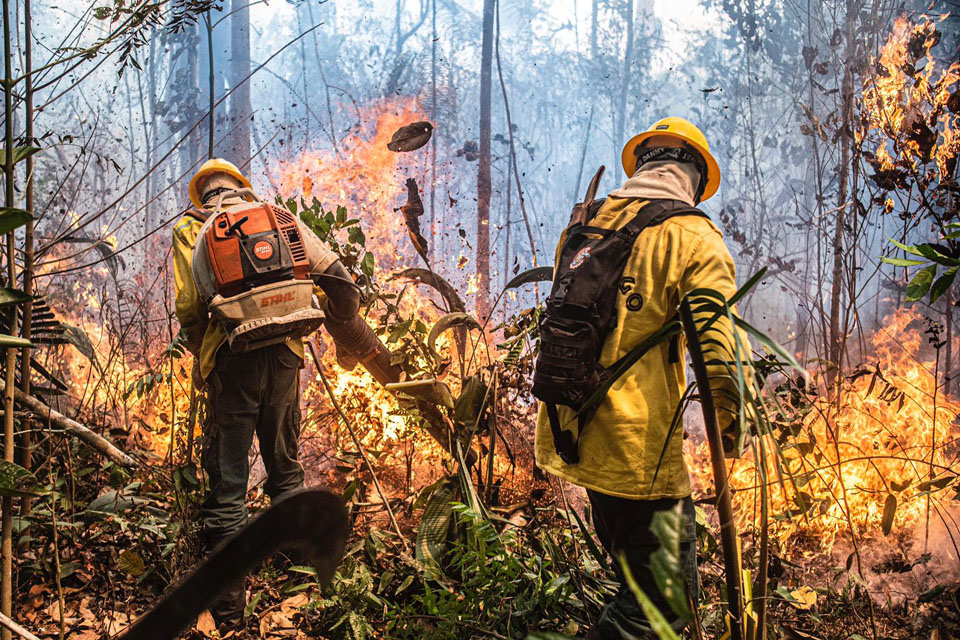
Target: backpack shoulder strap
199, 214
656, 212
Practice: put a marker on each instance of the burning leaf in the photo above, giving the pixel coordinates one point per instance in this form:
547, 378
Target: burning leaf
411, 137
412, 211
889, 511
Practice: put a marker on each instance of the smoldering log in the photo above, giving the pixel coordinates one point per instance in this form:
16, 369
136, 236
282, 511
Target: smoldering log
61, 421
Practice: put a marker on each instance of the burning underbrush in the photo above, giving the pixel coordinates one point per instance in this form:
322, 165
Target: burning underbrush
865, 474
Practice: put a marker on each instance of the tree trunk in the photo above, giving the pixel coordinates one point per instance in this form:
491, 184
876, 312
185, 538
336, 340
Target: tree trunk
211, 86
594, 17
621, 115
838, 332
483, 171
239, 70
433, 119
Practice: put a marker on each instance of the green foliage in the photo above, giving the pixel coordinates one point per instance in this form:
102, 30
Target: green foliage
330, 227
12, 218
147, 382
16, 481
658, 623
668, 526
925, 281
12, 296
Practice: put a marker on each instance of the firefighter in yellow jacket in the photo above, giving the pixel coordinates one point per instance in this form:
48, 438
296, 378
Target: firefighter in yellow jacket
255, 391
629, 462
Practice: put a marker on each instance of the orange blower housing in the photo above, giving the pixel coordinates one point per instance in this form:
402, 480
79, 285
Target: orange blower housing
250, 246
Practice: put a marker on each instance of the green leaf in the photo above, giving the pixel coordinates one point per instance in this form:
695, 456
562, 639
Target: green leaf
251, 608
12, 296
932, 253
665, 562
906, 247
455, 319
366, 265
399, 330
19, 153
537, 274
943, 283
548, 635
920, 284
13, 341
470, 403
12, 218
889, 511
15, 481
434, 529
902, 262
655, 618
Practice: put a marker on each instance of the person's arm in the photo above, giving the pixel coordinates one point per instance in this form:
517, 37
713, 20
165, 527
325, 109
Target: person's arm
191, 312
710, 266
355, 341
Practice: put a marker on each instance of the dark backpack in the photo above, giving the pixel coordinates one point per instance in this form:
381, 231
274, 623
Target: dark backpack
581, 310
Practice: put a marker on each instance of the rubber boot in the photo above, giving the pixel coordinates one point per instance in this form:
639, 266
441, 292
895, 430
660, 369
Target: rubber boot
227, 609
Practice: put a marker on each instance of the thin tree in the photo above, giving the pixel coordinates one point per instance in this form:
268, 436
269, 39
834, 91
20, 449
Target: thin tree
240, 110
483, 171
6, 564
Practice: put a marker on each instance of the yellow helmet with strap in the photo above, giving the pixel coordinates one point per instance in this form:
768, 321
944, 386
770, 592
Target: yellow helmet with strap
214, 165
684, 131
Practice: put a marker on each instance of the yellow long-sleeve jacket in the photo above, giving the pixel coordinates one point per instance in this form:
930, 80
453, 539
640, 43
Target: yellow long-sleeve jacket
622, 444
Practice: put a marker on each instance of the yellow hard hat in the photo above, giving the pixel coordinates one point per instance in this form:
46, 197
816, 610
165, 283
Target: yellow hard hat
685, 131
214, 165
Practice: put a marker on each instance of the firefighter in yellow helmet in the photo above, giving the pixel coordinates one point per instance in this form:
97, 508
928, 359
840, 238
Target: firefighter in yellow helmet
256, 390
628, 455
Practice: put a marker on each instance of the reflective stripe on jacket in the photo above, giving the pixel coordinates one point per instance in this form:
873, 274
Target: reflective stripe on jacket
622, 445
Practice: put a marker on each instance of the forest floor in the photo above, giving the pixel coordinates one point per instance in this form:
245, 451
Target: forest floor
121, 540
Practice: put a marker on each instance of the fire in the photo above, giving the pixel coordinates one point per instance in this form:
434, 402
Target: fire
887, 446
908, 101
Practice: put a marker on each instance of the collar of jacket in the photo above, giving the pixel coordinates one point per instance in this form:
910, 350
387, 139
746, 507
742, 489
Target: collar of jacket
662, 180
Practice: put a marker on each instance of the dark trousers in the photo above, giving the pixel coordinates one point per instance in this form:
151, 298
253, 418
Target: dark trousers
254, 392
623, 527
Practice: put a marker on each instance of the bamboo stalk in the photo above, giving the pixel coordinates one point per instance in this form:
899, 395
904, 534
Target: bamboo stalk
6, 525
26, 503
728, 528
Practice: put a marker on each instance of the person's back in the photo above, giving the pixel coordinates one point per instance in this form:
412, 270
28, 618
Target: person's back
254, 388
630, 450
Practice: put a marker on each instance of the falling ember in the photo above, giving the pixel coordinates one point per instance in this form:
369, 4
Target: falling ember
885, 454
473, 284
